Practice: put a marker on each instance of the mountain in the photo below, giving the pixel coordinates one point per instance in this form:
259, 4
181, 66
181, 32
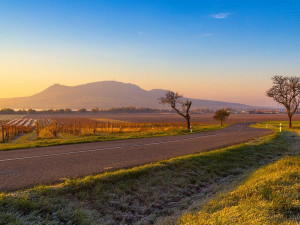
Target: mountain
104, 94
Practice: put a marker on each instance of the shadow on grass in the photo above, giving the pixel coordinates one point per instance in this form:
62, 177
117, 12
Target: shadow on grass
154, 193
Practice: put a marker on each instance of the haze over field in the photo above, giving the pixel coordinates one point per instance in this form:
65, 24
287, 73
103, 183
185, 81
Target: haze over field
207, 49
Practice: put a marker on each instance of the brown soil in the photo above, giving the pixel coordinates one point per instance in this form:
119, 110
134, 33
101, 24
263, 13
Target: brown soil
169, 117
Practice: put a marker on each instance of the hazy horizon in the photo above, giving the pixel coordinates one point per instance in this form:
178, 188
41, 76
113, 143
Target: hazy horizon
51, 90
215, 50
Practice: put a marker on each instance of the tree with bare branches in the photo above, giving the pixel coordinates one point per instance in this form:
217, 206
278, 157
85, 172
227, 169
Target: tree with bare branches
286, 91
181, 107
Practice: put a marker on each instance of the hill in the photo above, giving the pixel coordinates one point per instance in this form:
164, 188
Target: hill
104, 94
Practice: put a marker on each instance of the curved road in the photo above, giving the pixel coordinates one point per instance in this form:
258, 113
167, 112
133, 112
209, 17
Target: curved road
45, 165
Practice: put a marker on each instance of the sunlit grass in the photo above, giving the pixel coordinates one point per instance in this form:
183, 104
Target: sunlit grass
276, 125
270, 196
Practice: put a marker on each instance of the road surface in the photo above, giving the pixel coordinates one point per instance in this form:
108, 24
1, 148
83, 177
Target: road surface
47, 165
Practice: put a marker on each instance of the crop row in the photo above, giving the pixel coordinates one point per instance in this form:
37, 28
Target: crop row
9, 130
22, 122
49, 128
84, 126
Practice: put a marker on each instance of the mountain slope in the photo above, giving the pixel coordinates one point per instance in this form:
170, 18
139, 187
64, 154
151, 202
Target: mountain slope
105, 94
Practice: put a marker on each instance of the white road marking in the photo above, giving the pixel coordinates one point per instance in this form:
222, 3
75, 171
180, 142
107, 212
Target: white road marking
111, 148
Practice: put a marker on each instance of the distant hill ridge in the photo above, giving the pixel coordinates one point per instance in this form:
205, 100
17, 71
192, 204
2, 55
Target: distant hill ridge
104, 95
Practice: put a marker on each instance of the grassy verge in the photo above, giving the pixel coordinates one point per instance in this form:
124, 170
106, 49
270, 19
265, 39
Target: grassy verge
29, 140
155, 193
276, 125
270, 196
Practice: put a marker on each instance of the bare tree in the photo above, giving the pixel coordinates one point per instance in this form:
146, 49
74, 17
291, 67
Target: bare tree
286, 91
181, 107
221, 115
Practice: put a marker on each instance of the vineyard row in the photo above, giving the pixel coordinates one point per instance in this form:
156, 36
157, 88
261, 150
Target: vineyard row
49, 128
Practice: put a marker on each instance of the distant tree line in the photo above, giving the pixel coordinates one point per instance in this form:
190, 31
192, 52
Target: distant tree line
129, 109
8, 111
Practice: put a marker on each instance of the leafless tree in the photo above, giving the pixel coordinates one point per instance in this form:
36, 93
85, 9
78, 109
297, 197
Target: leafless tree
221, 115
181, 107
286, 91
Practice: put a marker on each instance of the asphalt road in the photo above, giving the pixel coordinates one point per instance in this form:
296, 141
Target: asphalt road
46, 165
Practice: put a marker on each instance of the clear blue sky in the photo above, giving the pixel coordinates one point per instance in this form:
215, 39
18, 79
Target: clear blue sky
222, 50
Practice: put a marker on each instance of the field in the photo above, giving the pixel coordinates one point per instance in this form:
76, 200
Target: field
38, 131
251, 183
206, 118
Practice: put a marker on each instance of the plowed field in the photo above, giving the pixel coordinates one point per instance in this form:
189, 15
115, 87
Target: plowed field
170, 117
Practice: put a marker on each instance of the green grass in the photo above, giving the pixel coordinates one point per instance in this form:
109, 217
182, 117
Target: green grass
30, 141
276, 124
270, 196
155, 193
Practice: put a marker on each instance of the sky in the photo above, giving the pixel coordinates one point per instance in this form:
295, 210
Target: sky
219, 50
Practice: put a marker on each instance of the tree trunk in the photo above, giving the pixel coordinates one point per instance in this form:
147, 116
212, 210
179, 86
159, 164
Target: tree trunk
288, 111
290, 121
188, 122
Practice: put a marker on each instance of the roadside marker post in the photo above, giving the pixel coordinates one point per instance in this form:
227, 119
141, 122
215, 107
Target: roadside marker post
191, 129
280, 128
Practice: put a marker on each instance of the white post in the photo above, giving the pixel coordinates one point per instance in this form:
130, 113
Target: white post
280, 128
191, 129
